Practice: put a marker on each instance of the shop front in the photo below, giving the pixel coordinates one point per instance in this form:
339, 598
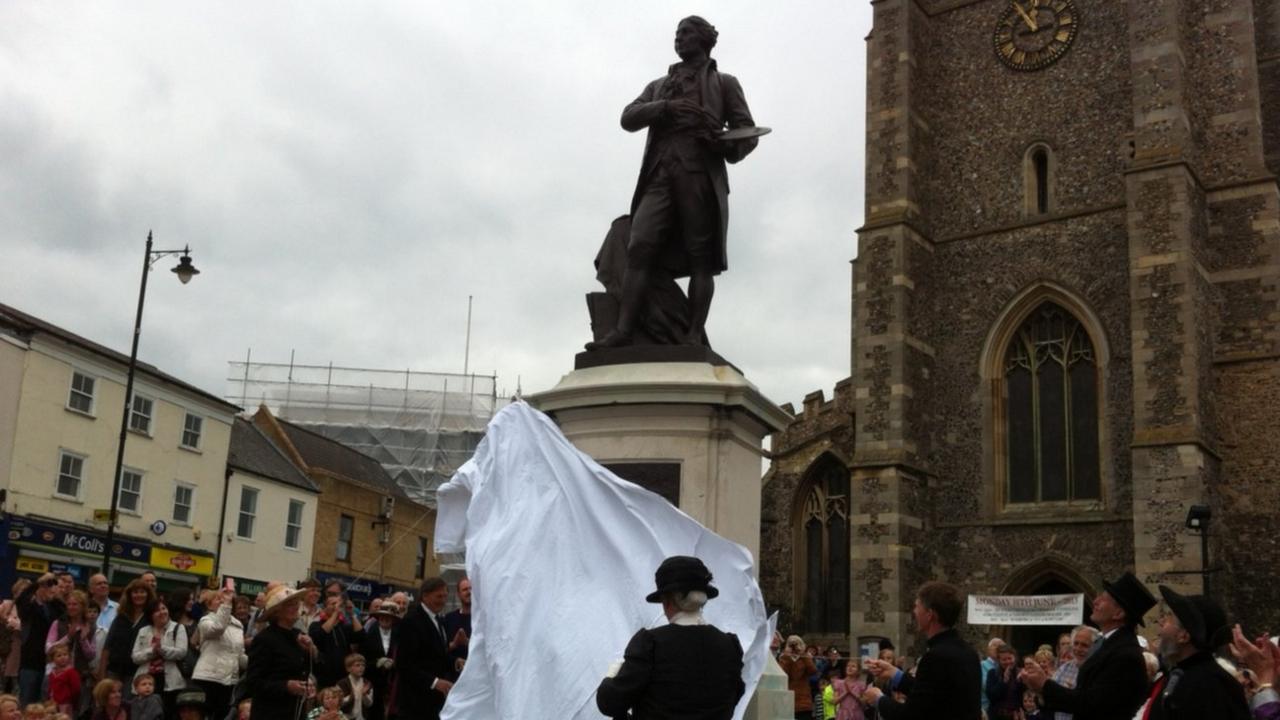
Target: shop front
37, 546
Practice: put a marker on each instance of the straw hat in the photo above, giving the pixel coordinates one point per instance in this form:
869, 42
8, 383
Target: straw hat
276, 598
387, 609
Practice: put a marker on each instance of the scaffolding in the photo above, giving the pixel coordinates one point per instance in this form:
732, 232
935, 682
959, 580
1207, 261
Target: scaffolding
421, 426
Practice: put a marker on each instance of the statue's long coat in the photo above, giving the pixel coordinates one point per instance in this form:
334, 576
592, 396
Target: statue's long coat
722, 97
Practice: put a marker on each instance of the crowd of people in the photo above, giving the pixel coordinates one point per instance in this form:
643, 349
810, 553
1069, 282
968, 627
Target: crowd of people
1201, 668
72, 653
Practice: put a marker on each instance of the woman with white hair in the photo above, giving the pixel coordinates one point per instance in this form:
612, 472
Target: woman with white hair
686, 668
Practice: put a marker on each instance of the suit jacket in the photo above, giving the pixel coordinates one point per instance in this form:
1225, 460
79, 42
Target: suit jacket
1202, 690
676, 672
722, 96
1112, 683
947, 684
420, 660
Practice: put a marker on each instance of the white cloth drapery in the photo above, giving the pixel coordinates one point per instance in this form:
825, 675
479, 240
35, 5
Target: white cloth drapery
560, 553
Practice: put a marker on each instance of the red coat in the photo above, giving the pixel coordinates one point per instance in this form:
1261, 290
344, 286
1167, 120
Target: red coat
64, 686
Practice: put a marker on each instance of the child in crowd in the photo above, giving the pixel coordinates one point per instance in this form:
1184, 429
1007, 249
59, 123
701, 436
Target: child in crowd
330, 706
1030, 706
147, 705
64, 681
357, 693
35, 711
828, 694
244, 709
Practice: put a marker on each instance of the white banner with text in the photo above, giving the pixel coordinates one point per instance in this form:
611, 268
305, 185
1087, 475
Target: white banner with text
1026, 609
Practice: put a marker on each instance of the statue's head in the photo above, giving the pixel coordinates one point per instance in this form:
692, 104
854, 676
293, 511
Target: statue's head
695, 31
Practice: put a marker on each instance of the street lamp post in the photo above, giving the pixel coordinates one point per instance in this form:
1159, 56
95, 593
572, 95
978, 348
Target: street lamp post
185, 271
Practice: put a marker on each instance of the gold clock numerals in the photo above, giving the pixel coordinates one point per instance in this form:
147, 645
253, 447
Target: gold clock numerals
1033, 34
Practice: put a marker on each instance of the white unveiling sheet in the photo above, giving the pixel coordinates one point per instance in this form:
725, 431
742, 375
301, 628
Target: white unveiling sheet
560, 554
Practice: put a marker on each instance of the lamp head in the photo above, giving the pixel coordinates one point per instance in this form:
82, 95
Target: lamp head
185, 270
1198, 517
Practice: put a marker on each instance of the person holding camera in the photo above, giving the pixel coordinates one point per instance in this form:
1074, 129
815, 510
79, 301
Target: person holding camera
799, 667
336, 633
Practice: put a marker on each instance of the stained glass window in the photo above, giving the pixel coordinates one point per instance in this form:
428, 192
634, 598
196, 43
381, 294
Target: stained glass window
1051, 410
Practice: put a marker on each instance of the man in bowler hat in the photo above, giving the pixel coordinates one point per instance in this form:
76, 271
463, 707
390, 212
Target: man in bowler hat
685, 669
1112, 682
1196, 686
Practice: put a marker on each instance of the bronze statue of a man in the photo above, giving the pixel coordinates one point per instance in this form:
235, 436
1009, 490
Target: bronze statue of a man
680, 209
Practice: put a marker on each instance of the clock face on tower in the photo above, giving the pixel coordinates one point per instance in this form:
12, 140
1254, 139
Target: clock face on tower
1034, 33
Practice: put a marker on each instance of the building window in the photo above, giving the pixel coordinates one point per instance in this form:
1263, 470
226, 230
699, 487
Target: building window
140, 414
81, 397
420, 567
184, 499
130, 500
1038, 174
70, 475
248, 512
823, 542
191, 429
1051, 410
293, 525
346, 524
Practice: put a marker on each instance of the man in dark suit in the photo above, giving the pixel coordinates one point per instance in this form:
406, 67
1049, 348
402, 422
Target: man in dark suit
680, 208
685, 669
948, 678
1112, 683
1196, 688
422, 660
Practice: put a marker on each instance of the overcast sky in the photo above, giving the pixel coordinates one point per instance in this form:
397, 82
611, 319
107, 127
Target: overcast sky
347, 173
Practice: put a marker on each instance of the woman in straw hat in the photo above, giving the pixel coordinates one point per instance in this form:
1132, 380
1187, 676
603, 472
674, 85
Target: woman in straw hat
278, 676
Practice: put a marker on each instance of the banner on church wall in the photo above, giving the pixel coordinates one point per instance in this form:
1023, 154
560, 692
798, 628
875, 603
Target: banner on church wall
1026, 609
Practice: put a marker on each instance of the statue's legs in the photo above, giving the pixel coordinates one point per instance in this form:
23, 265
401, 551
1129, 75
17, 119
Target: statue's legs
702, 286
678, 206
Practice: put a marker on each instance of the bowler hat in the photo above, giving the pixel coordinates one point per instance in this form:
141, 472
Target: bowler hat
191, 697
1202, 618
681, 573
1130, 594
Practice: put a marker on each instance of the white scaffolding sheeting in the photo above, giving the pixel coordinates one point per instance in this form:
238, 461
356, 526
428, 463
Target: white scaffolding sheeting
420, 426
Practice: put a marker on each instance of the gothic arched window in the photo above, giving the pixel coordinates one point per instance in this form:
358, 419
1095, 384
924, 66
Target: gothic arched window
824, 548
1051, 410
1038, 171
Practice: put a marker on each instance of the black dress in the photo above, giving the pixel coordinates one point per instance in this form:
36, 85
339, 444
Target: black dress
275, 658
119, 645
676, 672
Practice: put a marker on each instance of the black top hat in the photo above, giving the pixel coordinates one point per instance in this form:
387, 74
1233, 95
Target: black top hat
1202, 618
681, 573
1131, 595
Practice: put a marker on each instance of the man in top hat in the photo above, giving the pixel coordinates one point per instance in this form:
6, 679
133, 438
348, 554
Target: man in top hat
1196, 686
685, 669
1112, 682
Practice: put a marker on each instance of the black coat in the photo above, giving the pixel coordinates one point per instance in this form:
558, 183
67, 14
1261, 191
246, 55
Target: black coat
36, 619
1202, 691
947, 684
421, 659
676, 672
332, 649
1112, 683
371, 649
119, 645
275, 658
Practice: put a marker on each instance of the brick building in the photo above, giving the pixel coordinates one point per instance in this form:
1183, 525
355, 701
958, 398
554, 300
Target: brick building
1065, 317
369, 534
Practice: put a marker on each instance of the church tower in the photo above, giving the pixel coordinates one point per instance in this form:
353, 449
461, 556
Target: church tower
1066, 325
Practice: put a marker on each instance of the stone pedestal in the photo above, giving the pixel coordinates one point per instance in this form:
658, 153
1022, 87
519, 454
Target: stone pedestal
690, 431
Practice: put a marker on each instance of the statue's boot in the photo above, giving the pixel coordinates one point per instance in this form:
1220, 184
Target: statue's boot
615, 338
